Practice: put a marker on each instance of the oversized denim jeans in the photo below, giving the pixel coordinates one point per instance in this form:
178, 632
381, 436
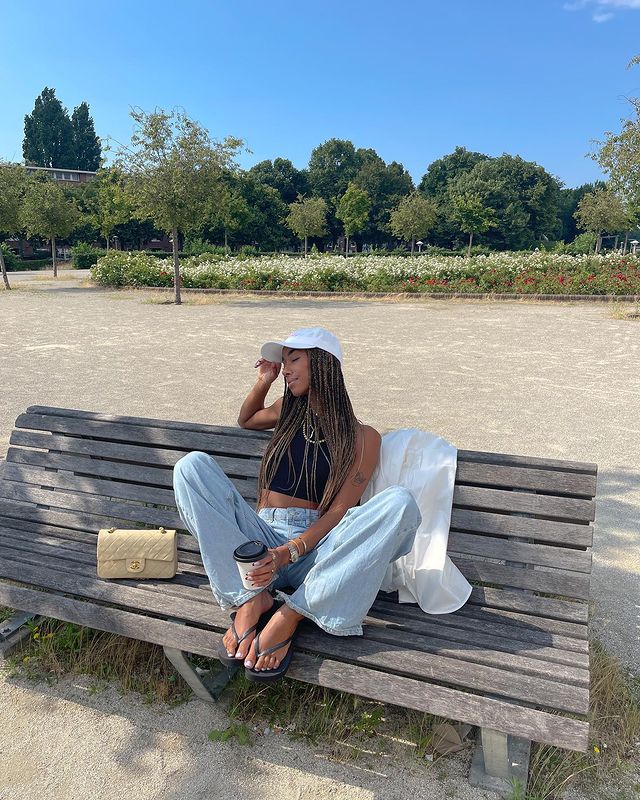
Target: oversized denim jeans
335, 583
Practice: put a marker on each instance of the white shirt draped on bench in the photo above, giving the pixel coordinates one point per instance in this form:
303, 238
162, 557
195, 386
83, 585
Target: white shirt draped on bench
426, 465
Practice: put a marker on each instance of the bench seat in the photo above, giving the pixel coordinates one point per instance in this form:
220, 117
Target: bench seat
514, 661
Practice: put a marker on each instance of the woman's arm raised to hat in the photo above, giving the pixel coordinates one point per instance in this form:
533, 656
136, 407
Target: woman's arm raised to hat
253, 415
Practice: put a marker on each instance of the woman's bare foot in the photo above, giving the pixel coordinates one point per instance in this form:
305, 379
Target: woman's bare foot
279, 628
246, 617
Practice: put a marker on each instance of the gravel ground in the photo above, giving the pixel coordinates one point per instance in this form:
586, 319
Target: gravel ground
555, 380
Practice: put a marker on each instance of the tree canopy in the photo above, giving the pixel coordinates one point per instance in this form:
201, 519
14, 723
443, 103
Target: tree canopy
173, 169
86, 144
52, 139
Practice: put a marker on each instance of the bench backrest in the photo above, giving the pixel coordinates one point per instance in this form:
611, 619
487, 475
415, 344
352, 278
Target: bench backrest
517, 523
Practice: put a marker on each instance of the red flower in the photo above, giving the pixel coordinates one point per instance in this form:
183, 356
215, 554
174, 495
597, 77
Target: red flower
562, 279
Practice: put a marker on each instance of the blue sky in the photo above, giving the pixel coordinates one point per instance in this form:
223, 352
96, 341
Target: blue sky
538, 78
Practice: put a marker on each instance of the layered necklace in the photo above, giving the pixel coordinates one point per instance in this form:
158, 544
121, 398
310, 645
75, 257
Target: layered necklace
311, 432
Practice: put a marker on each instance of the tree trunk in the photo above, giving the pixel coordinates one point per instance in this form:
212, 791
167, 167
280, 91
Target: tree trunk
176, 265
107, 238
624, 247
4, 270
305, 246
615, 242
226, 242
469, 247
346, 248
413, 244
53, 256
598, 242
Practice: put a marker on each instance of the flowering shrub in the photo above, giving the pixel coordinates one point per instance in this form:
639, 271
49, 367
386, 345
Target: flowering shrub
498, 273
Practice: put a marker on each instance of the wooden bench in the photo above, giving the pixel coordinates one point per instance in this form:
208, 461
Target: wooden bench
514, 661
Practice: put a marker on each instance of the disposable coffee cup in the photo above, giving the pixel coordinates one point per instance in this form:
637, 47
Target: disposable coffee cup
245, 556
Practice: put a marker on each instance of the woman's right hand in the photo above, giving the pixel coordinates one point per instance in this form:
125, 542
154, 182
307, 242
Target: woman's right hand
268, 371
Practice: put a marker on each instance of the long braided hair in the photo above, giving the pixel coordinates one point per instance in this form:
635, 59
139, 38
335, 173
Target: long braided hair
326, 407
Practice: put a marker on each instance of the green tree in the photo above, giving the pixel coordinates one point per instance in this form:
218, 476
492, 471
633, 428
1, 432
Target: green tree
48, 134
436, 184
171, 168
47, 212
282, 176
601, 212
472, 215
353, 209
229, 210
110, 206
525, 198
12, 185
86, 143
386, 185
307, 217
332, 166
567, 205
413, 218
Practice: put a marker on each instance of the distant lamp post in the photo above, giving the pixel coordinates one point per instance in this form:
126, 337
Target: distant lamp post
419, 246
634, 246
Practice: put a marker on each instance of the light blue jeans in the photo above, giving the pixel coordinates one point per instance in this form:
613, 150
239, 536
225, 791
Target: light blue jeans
335, 583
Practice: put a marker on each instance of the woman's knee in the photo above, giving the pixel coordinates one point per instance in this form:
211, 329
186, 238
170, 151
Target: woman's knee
405, 502
192, 465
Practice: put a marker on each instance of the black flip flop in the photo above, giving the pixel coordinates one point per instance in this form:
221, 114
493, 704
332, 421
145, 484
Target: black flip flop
271, 675
230, 661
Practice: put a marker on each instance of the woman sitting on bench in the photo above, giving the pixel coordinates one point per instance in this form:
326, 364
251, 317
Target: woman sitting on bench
331, 551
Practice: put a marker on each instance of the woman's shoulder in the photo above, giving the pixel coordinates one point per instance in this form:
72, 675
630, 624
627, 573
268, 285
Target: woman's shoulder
371, 435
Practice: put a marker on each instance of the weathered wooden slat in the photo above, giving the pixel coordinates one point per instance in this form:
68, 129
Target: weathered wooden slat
140, 515
186, 542
510, 460
546, 693
542, 555
134, 454
421, 696
565, 584
428, 666
138, 473
473, 615
76, 550
548, 607
100, 506
560, 533
73, 561
196, 427
522, 502
77, 560
570, 630
537, 480
143, 434
465, 627
489, 650
112, 489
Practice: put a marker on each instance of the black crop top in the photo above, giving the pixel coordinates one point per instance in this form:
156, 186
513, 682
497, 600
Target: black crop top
295, 484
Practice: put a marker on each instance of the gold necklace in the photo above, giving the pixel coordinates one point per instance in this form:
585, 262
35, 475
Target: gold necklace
309, 432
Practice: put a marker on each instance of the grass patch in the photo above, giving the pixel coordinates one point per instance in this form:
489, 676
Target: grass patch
615, 738
623, 311
349, 726
57, 648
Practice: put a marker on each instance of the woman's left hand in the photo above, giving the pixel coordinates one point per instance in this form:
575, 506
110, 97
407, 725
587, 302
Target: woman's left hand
264, 570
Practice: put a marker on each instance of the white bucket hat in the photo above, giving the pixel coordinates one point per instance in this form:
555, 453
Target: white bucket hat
303, 339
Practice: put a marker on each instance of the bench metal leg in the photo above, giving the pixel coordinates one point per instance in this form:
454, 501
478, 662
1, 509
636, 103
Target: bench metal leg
500, 762
208, 686
14, 631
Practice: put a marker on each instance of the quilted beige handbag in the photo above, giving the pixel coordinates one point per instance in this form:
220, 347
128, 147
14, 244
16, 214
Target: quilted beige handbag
137, 553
